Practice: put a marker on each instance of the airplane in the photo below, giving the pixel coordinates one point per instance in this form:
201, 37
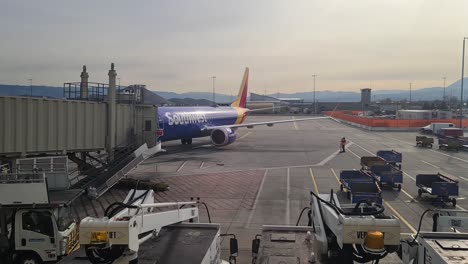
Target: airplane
218, 123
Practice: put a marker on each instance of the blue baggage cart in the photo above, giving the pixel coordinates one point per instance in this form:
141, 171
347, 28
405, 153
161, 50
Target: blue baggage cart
438, 185
367, 191
368, 161
387, 175
360, 185
348, 177
392, 157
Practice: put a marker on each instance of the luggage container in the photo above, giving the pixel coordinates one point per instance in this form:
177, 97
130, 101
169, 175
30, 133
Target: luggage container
392, 157
368, 161
439, 186
387, 175
424, 141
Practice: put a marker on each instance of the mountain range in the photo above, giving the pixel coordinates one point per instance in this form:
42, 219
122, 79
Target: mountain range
424, 94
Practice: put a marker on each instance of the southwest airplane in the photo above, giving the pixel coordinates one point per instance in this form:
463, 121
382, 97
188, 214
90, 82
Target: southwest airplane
218, 123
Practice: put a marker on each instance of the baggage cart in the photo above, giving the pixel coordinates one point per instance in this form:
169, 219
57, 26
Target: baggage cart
360, 185
450, 143
368, 161
425, 142
366, 190
439, 186
387, 175
348, 177
392, 157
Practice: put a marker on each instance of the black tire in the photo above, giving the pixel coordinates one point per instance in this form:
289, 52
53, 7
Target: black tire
28, 258
454, 202
399, 166
183, 141
189, 141
430, 145
419, 192
399, 187
341, 187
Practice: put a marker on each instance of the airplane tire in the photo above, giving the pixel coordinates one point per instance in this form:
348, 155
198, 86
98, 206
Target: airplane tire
189, 141
183, 141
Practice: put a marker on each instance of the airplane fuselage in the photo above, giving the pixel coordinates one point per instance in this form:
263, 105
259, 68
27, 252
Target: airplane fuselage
190, 122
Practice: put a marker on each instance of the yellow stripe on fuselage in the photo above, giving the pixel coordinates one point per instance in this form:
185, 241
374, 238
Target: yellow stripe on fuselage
240, 115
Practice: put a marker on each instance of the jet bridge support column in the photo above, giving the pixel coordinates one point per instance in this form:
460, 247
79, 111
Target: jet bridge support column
84, 84
111, 107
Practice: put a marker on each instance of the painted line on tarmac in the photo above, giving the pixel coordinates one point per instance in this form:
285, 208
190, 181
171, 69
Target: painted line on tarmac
333, 155
336, 177
365, 149
294, 123
245, 135
409, 176
313, 180
201, 164
181, 166
288, 191
457, 158
249, 220
430, 164
357, 156
395, 212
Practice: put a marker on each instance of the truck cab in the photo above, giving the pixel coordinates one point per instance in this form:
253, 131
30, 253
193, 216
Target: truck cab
36, 232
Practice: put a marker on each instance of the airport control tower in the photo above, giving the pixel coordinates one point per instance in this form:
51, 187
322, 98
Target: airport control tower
365, 98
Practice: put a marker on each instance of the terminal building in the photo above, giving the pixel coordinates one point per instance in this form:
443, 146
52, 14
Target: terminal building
299, 105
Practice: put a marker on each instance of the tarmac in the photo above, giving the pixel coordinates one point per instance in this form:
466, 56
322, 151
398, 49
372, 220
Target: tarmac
266, 176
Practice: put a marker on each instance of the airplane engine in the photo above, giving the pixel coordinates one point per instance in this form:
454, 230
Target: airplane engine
223, 136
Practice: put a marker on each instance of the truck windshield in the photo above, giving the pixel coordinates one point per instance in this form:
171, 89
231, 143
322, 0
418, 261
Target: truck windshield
64, 218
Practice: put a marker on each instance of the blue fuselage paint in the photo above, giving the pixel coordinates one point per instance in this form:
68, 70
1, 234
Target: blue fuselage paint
189, 122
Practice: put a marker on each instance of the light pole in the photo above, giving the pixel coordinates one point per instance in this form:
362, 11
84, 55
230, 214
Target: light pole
30, 87
409, 106
214, 98
119, 82
461, 88
315, 107
443, 97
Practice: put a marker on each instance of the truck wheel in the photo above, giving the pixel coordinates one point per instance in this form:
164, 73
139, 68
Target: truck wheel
28, 258
419, 192
454, 202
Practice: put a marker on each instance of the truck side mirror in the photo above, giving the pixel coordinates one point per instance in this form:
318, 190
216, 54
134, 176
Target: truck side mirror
234, 248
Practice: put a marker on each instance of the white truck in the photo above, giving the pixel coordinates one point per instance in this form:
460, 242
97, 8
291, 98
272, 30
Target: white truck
434, 128
33, 228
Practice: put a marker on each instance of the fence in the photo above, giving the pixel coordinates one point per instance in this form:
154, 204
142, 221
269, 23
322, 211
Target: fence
392, 123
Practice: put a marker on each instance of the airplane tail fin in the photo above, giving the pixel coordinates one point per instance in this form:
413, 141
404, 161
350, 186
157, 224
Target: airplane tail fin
242, 97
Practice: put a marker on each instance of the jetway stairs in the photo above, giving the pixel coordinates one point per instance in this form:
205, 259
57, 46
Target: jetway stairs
99, 180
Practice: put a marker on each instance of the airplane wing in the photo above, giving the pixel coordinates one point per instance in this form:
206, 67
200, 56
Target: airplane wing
267, 123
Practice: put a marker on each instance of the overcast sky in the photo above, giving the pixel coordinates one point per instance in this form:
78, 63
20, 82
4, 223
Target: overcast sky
177, 45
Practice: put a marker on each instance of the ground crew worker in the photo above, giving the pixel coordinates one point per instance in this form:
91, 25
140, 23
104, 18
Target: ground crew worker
343, 144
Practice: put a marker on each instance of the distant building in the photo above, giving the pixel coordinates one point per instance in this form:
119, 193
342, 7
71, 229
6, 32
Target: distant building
423, 114
297, 105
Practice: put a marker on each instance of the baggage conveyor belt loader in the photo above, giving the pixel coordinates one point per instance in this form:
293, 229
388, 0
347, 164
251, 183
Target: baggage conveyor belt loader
352, 233
141, 231
447, 243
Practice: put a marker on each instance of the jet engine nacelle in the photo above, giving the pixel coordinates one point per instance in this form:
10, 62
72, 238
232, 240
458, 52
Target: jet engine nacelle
223, 136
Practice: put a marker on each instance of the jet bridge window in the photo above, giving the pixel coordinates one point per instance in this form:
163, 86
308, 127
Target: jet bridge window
40, 222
